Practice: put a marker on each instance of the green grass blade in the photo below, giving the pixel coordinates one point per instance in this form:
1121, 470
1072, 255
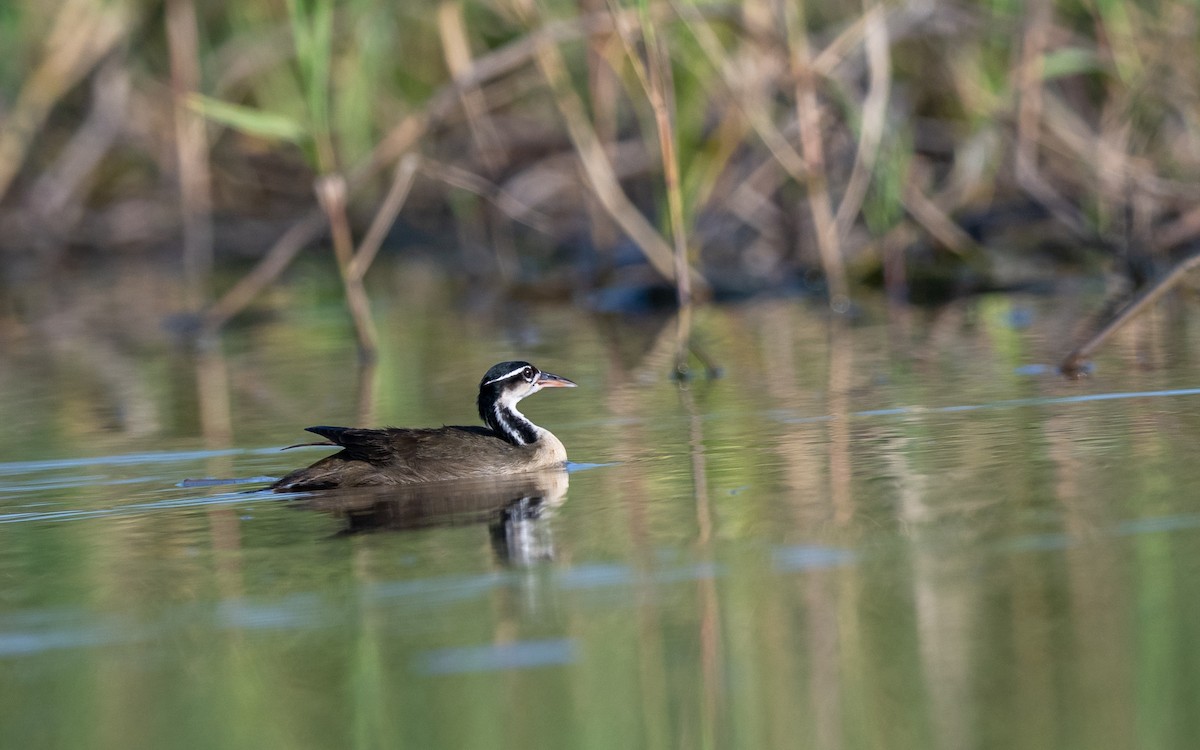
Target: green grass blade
269, 125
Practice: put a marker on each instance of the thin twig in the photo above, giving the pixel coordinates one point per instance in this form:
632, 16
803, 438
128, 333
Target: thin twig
1029, 118
191, 150
279, 257
1073, 364
331, 193
56, 197
751, 108
874, 115
657, 84
1185, 228
83, 32
402, 181
456, 49
932, 218
504, 200
598, 169
402, 138
808, 116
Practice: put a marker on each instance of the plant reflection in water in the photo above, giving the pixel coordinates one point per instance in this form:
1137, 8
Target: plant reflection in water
515, 508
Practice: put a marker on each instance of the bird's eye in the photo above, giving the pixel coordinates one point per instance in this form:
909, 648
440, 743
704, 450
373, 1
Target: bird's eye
527, 373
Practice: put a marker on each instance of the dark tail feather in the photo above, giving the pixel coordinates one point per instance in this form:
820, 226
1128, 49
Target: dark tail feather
332, 434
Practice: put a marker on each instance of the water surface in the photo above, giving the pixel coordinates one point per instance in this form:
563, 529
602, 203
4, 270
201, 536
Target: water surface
899, 531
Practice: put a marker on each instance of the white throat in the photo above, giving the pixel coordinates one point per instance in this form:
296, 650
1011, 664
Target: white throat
510, 421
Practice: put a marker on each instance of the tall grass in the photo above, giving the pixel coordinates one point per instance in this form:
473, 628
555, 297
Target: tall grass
737, 146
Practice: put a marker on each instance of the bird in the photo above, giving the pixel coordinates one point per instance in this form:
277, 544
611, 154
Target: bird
508, 444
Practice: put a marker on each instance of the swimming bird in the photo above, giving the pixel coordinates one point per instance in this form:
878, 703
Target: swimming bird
510, 443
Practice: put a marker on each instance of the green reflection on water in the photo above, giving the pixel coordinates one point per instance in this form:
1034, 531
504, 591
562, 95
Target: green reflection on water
784, 557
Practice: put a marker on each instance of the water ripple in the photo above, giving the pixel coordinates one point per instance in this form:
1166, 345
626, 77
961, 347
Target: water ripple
499, 656
810, 557
225, 498
1004, 404
127, 459
298, 611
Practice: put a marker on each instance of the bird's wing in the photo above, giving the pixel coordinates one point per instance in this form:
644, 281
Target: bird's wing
392, 444
372, 446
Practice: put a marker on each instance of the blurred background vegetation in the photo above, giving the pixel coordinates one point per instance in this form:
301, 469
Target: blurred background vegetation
175, 159
619, 153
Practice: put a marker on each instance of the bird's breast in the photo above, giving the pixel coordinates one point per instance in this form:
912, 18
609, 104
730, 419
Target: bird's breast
548, 451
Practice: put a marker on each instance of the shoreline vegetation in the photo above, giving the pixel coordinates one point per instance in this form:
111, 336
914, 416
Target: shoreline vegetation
640, 152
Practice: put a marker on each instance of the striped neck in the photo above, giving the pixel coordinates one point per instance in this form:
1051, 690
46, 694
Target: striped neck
507, 422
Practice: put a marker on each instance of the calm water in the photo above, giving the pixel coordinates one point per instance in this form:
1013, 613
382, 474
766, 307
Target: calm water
901, 532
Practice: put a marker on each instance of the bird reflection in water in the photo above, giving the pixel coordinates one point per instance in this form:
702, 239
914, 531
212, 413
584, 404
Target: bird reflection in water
514, 506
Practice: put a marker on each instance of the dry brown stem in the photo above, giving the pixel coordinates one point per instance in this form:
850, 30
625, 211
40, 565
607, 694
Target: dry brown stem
1073, 364
808, 116
457, 51
82, 34
308, 229
657, 84
1186, 228
402, 181
191, 151
404, 136
1030, 111
508, 203
331, 192
874, 117
56, 196
277, 259
752, 107
596, 166
930, 216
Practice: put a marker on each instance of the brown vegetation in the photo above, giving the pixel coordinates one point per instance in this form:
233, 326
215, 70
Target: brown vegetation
933, 147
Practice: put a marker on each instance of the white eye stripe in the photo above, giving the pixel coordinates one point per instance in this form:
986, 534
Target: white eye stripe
505, 376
